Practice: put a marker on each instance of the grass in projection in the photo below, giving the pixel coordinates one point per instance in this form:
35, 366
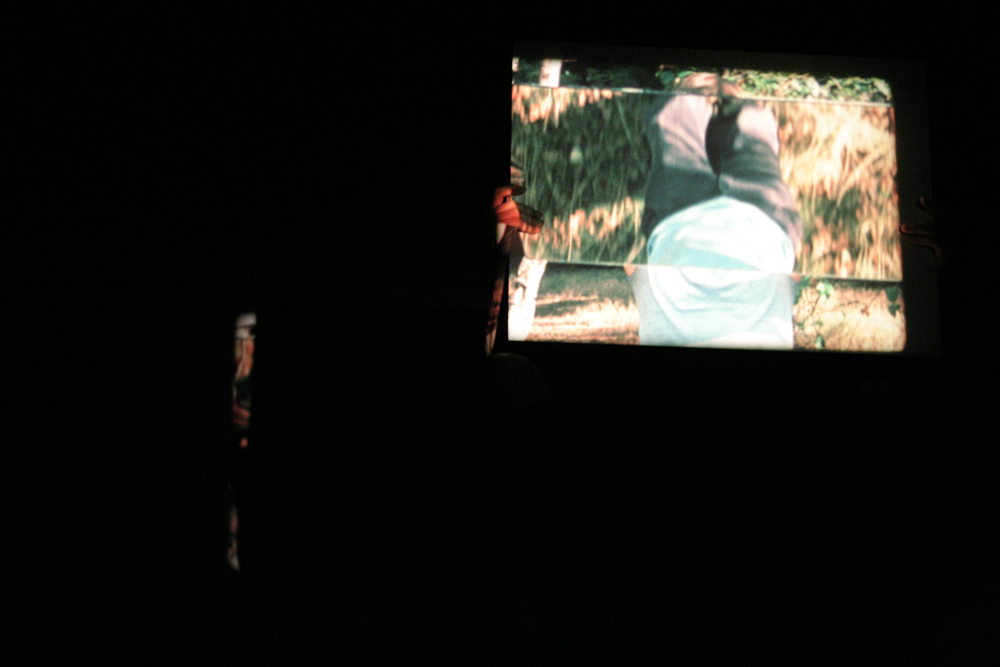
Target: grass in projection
587, 155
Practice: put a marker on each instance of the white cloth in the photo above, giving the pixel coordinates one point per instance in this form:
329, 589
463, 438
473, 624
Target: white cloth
718, 275
523, 296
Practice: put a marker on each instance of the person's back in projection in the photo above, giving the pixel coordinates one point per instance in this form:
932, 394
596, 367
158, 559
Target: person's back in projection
721, 226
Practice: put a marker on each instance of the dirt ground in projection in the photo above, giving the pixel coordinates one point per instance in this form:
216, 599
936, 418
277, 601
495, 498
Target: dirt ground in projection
594, 304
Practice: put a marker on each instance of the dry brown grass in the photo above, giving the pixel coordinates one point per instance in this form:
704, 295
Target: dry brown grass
531, 104
603, 234
592, 321
839, 162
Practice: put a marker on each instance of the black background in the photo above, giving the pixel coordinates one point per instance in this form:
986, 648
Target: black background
322, 173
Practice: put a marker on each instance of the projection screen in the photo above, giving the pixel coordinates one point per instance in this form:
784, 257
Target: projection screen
697, 206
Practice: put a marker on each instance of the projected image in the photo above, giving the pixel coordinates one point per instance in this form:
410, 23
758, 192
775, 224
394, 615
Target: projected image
579, 303
691, 207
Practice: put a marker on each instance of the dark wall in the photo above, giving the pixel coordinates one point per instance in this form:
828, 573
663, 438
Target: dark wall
167, 184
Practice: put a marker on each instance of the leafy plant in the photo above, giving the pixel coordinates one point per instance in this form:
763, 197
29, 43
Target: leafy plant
791, 86
847, 315
670, 75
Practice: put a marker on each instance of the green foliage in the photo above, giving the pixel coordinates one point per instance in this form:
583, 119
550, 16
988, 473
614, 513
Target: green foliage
666, 78
582, 74
528, 73
786, 85
832, 314
801, 285
670, 76
892, 293
806, 87
599, 75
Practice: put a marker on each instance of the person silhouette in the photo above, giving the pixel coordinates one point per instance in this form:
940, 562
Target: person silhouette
511, 217
298, 439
